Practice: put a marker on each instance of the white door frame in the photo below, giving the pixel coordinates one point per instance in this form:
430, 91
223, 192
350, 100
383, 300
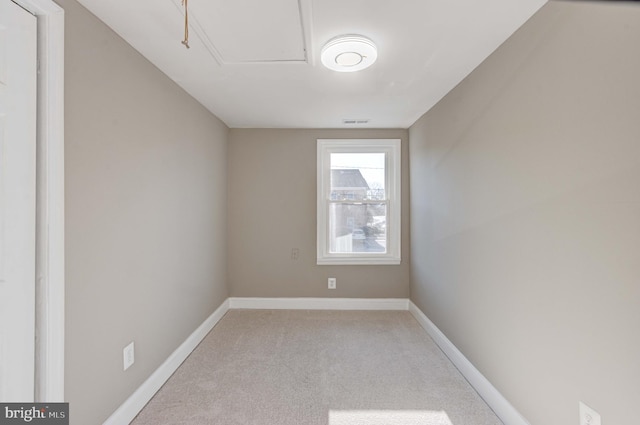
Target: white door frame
49, 355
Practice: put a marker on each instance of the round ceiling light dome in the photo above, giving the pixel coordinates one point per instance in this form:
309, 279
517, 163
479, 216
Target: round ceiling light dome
349, 53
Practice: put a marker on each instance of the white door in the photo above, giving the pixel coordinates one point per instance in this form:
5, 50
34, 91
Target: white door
17, 201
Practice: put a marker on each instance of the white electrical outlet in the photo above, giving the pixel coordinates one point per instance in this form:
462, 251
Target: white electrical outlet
332, 283
128, 356
588, 416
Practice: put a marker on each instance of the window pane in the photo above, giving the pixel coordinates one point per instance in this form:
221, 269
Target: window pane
357, 176
358, 227
359, 201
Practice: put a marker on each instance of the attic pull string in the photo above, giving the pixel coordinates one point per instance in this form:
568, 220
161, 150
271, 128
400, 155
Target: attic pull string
186, 24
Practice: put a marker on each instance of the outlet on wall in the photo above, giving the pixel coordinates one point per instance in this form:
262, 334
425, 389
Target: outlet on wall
128, 356
332, 283
588, 416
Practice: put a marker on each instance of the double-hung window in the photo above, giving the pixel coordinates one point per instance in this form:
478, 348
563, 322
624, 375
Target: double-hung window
359, 201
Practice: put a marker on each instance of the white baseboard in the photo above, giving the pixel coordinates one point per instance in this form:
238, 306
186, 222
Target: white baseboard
134, 404
500, 405
320, 303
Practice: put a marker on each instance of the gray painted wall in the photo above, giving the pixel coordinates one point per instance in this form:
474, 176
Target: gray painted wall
272, 209
145, 216
525, 214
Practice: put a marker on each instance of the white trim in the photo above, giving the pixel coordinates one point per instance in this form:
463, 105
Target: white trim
134, 404
49, 355
319, 303
392, 148
355, 261
500, 405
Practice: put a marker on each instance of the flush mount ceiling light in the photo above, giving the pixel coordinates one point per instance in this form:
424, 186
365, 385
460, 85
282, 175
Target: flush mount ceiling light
349, 53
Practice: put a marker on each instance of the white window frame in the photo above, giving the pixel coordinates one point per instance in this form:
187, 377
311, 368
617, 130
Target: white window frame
392, 150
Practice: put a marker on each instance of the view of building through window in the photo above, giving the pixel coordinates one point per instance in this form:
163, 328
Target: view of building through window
357, 204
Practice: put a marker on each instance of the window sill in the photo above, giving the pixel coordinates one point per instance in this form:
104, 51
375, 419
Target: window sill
346, 261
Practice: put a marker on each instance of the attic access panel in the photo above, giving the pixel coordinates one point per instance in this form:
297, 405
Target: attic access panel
250, 31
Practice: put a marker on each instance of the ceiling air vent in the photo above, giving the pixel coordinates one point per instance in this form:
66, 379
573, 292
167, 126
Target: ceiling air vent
355, 121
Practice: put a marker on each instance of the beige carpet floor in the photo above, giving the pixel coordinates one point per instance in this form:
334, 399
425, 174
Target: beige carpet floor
281, 367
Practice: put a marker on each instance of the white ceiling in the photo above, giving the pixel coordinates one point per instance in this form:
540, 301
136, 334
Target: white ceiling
256, 63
